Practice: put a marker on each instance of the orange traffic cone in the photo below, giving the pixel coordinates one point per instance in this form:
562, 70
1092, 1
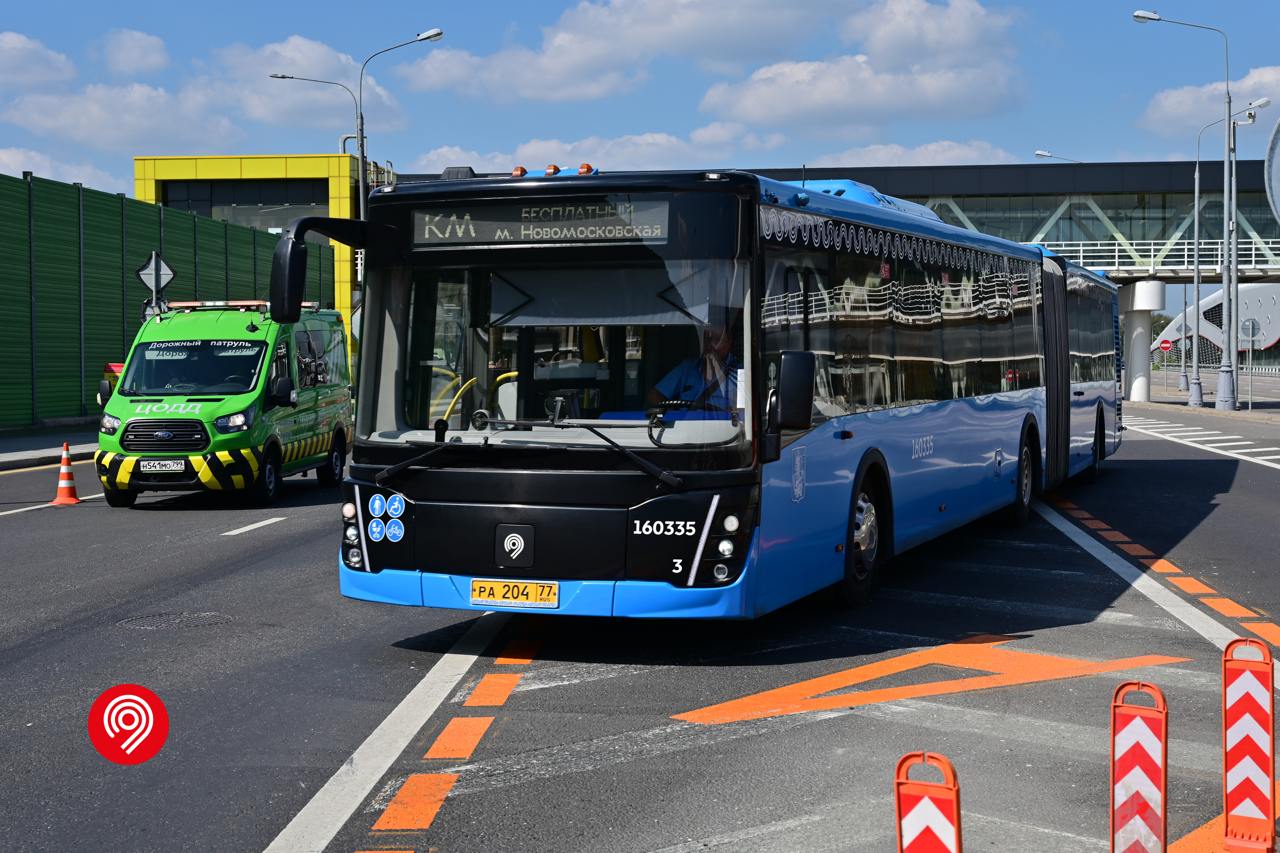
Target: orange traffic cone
66, 481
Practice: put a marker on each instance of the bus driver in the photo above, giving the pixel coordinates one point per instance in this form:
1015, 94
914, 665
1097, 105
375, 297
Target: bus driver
708, 380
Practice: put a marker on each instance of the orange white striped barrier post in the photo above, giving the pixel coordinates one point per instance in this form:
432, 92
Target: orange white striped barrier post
1248, 747
927, 813
1139, 770
66, 481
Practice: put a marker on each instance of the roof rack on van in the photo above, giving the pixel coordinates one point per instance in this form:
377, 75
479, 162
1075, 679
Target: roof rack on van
260, 304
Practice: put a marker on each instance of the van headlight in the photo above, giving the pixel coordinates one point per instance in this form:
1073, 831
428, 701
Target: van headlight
109, 424
239, 422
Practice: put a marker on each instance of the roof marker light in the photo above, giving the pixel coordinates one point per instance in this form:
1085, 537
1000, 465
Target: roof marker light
519, 172
552, 169
586, 169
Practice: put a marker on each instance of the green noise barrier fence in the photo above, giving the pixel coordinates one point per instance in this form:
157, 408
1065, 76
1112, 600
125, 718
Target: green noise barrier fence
71, 298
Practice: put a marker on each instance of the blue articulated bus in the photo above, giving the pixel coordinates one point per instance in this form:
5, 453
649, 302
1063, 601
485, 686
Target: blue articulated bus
694, 394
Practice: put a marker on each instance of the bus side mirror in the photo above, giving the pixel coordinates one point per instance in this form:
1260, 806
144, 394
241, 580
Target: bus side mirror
288, 279
104, 392
790, 404
283, 393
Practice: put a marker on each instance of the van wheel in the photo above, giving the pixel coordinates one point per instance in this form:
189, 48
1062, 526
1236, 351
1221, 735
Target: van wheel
865, 545
1094, 471
119, 498
1020, 510
267, 487
330, 473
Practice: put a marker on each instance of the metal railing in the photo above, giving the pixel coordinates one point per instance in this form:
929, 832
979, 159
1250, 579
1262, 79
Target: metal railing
1162, 254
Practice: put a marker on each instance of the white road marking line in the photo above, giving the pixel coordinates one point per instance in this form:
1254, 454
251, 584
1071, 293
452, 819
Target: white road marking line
1228, 444
1257, 450
43, 506
327, 812
713, 841
1172, 430
1073, 615
254, 526
1215, 437
1268, 461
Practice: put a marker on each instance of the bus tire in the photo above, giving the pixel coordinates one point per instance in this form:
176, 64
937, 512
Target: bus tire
329, 475
267, 487
119, 498
1094, 471
866, 542
1019, 511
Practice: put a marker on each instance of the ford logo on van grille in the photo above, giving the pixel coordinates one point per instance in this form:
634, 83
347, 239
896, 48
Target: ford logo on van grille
163, 434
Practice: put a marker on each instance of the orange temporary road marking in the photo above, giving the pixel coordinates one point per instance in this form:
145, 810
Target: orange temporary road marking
1229, 608
520, 650
1268, 631
1208, 838
1064, 503
416, 803
1135, 550
493, 689
1163, 566
1094, 524
1006, 668
1078, 513
1113, 536
459, 738
1191, 585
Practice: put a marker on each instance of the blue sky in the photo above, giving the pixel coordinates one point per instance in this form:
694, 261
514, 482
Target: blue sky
626, 83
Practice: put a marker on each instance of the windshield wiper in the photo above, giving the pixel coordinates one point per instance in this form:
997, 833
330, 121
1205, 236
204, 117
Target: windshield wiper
662, 475
391, 470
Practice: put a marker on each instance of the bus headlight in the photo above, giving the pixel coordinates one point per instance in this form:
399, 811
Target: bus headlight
720, 572
730, 524
725, 548
239, 422
351, 535
355, 559
109, 424
348, 510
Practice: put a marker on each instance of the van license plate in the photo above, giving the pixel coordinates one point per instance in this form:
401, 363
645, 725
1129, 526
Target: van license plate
543, 595
162, 466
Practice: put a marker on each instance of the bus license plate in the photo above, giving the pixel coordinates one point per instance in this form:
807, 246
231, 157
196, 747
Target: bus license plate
539, 594
162, 466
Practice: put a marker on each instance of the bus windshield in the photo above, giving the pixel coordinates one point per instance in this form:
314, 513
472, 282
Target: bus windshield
649, 354
193, 367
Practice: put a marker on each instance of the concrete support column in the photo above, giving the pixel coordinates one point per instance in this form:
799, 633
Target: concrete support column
1137, 301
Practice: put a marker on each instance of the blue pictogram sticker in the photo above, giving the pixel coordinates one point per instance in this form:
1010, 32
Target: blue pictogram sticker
395, 530
377, 505
395, 506
377, 529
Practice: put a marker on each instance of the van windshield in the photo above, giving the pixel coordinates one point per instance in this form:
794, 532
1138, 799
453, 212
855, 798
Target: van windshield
193, 367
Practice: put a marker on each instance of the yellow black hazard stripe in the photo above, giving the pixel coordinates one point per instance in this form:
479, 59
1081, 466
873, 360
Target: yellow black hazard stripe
306, 448
228, 469
225, 469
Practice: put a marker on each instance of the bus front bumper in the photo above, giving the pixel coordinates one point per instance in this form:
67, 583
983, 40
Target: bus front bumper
640, 599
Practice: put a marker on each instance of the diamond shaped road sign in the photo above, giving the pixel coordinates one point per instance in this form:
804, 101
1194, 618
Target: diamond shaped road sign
155, 274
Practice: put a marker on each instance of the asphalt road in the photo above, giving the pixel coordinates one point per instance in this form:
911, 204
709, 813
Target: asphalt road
577, 734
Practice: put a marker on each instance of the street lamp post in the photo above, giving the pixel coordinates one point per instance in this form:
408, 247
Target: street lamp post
1049, 155
1226, 396
433, 34
342, 143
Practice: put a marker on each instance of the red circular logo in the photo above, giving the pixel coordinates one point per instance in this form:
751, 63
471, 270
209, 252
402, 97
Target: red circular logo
128, 724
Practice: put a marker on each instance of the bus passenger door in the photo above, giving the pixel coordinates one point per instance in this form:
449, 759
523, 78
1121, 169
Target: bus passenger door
1057, 372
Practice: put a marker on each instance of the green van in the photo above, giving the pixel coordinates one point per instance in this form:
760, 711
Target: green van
216, 396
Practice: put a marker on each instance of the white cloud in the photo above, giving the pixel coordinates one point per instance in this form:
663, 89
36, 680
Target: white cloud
242, 81
131, 119
1188, 108
130, 52
15, 161
941, 153
918, 58
708, 147
602, 48
26, 63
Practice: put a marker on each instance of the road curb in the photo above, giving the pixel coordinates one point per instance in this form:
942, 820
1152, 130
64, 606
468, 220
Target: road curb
1261, 418
44, 457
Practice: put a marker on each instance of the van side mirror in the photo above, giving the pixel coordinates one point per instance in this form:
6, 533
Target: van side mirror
288, 279
790, 404
283, 393
104, 392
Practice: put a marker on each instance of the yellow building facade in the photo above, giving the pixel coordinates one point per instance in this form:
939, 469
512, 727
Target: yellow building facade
265, 191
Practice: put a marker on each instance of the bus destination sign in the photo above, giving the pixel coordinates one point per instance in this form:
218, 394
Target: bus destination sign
598, 220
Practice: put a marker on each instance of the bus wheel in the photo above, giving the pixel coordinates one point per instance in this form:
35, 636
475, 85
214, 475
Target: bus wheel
330, 473
267, 487
864, 550
1020, 510
1094, 471
120, 498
